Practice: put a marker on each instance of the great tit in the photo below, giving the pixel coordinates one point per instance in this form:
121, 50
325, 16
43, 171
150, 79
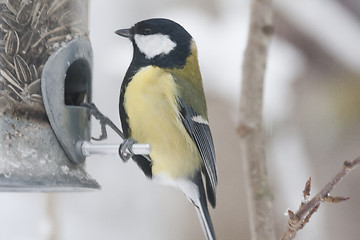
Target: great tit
162, 103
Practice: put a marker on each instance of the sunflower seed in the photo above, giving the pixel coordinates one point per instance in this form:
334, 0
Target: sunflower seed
3, 26
6, 62
57, 30
5, 10
10, 78
38, 41
35, 86
34, 14
66, 18
2, 45
34, 73
12, 43
18, 95
39, 15
30, 31
13, 6
36, 36
12, 22
36, 98
56, 5
56, 39
2, 65
25, 41
2, 5
24, 14
22, 69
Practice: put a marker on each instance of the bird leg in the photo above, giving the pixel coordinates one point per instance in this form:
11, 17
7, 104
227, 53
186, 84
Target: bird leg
94, 111
125, 149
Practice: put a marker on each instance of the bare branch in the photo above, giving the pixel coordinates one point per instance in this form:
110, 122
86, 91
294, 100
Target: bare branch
298, 220
250, 128
307, 218
331, 199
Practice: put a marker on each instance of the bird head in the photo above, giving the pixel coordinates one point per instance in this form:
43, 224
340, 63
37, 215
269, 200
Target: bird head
160, 42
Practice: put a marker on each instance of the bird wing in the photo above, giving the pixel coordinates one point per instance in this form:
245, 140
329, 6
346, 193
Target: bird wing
199, 130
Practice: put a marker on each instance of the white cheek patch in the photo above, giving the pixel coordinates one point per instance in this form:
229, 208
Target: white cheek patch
153, 45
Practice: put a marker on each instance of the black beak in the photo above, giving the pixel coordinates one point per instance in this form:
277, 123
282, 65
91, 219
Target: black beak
125, 33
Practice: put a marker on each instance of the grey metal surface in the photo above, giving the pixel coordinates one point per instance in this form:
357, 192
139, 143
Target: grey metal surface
31, 159
70, 123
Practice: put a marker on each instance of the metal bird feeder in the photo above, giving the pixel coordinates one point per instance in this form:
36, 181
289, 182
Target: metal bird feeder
45, 74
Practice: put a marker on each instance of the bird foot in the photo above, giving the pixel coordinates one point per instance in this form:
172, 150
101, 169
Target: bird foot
103, 120
125, 149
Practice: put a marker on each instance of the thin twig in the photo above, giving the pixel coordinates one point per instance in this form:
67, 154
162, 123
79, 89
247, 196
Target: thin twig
302, 216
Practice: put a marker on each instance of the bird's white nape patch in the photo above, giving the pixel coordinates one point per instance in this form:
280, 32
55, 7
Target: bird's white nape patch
155, 44
200, 119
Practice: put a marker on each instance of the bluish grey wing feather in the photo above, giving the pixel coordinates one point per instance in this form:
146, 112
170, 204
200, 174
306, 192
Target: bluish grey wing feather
200, 133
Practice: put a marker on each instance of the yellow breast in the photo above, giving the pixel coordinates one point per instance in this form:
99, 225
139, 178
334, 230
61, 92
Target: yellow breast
150, 103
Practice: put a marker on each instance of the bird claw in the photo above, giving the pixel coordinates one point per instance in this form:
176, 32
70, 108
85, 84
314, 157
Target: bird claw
125, 151
103, 120
94, 111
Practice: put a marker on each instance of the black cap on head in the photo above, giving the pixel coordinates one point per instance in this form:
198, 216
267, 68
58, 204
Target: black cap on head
175, 32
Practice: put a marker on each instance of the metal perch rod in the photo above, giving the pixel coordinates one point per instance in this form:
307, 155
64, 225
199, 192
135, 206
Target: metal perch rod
88, 149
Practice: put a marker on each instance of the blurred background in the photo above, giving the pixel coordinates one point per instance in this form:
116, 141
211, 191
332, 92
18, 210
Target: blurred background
312, 121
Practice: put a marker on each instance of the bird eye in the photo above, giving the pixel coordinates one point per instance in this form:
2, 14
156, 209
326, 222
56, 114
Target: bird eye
147, 31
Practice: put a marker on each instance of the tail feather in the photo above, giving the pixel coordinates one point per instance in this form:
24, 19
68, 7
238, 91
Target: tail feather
205, 220
202, 208
194, 190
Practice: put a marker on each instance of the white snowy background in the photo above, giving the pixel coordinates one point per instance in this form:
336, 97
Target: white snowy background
129, 206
